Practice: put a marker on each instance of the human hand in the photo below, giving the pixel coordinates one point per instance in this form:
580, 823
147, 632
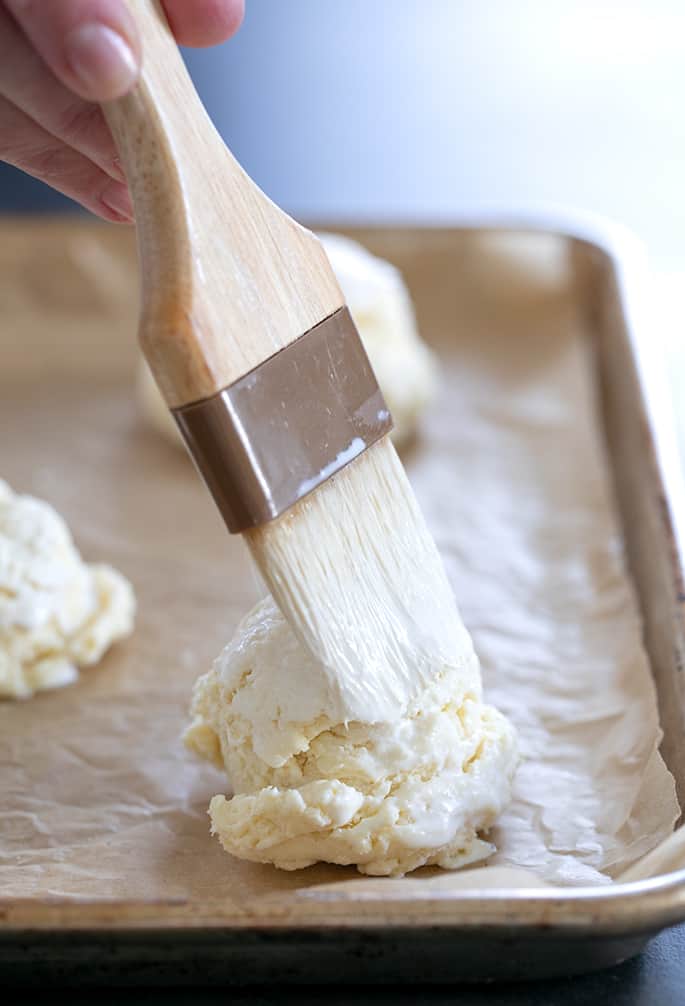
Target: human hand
58, 58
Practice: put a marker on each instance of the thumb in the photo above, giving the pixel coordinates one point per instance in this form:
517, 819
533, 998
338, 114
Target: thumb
90, 45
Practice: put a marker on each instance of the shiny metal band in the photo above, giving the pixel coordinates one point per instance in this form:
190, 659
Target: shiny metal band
276, 434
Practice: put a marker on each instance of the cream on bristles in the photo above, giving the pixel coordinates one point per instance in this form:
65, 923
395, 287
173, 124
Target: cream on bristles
358, 577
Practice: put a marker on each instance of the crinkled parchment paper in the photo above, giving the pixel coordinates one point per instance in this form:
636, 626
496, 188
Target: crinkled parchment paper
98, 796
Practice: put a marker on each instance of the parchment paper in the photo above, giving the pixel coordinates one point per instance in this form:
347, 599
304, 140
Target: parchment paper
98, 796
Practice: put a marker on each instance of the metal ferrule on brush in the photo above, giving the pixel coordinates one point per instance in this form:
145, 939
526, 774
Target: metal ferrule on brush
272, 437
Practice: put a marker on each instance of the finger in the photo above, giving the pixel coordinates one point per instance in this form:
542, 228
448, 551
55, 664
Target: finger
204, 22
27, 145
91, 46
26, 81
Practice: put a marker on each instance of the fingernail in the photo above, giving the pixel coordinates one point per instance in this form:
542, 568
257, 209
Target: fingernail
102, 60
117, 199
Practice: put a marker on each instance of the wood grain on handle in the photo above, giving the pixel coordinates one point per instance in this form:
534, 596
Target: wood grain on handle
228, 279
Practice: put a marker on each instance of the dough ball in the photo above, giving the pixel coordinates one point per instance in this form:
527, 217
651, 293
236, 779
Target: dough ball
381, 307
387, 797
57, 613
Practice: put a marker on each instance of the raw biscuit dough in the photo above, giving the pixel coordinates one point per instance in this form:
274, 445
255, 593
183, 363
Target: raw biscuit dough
57, 613
388, 796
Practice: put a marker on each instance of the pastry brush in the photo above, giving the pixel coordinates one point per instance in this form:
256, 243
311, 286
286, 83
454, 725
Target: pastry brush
245, 329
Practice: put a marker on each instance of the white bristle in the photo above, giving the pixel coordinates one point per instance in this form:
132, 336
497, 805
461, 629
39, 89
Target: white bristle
355, 570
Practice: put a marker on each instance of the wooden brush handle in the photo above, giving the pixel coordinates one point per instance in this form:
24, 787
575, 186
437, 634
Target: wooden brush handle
228, 279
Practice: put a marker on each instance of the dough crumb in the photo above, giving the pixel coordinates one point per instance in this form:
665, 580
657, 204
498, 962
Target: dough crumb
57, 613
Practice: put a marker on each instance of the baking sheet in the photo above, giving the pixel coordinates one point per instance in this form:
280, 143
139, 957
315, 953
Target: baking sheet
100, 799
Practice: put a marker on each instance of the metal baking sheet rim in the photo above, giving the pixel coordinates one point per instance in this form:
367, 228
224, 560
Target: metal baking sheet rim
636, 908
643, 906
